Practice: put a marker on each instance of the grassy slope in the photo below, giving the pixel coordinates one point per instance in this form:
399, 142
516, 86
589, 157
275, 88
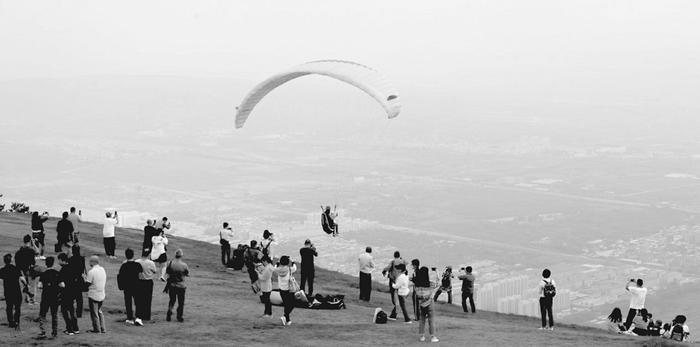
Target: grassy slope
220, 309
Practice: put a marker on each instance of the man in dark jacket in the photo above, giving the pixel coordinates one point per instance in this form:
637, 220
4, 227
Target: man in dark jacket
128, 281
148, 232
64, 232
467, 288
10, 275
68, 293
50, 291
25, 261
308, 270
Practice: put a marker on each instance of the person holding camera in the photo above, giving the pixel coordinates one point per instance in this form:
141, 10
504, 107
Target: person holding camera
108, 238
638, 295
467, 288
284, 272
308, 270
225, 240
38, 231
76, 219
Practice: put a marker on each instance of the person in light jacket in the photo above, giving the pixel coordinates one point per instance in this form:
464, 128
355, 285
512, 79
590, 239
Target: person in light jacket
265, 281
402, 290
284, 272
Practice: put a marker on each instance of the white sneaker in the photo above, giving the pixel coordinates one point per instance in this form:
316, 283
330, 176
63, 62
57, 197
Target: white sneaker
129, 321
422, 338
138, 322
540, 328
42, 257
434, 339
551, 328
409, 322
289, 323
284, 320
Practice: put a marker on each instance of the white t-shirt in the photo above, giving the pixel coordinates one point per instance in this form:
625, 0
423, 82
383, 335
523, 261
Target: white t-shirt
401, 285
637, 297
97, 278
158, 248
108, 228
543, 282
227, 234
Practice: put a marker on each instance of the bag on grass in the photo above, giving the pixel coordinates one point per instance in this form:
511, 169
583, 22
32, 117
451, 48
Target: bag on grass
380, 316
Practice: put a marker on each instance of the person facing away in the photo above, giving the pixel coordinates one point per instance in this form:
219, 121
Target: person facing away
76, 219
10, 275
226, 239
366, 264
77, 264
148, 232
38, 230
158, 253
97, 279
49, 283
402, 290
467, 279
308, 270
108, 237
69, 286
177, 270
424, 296
265, 280
392, 272
679, 330
640, 323
445, 285
163, 225
615, 324
145, 294
546, 299
267, 243
25, 260
284, 272
252, 258
128, 282
64, 231
415, 265
638, 295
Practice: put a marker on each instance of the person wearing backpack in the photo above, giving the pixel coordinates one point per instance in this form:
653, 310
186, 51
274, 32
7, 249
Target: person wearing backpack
392, 272
266, 244
678, 331
424, 296
547, 289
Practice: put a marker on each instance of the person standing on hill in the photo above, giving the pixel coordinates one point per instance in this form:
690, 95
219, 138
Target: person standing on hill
97, 279
446, 285
148, 232
638, 295
77, 264
284, 272
547, 290
10, 275
402, 289
252, 258
366, 263
265, 280
225, 239
145, 291
163, 225
415, 265
308, 270
392, 272
64, 233
158, 254
467, 288
49, 284
424, 295
68, 286
177, 270
128, 282
108, 238
76, 219
25, 260
266, 245
38, 234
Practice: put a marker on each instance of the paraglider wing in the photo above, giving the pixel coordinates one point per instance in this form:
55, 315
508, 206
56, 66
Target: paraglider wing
357, 75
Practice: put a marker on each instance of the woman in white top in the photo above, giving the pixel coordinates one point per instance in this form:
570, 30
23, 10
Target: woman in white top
284, 271
158, 254
111, 221
401, 286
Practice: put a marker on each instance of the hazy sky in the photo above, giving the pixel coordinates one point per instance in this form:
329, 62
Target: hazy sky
608, 52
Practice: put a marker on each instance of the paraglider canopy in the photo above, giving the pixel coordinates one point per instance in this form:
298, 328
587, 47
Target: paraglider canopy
361, 76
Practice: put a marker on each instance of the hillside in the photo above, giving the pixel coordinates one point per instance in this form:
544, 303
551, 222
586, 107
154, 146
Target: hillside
221, 310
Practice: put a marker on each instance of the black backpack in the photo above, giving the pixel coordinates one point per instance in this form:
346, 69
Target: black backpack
381, 318
677, 333
549, 290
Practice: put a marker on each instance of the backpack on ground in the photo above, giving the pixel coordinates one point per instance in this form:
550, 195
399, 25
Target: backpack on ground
677, 333
549, 290
380, 316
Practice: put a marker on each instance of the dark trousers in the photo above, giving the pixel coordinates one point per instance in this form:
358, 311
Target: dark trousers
68, 312
402, 304
179, 295
144, 298
416, 304
288, 302
392, 293
630, 317
44, 307
110, 245
449, 295
365, 286
307, 275
265, 297
131, 299
469, 296
79, 304
12, 309
546, 311
225, 253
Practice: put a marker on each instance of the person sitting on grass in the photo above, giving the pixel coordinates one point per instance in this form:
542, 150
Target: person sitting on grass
677, 330
615, 324
640, 323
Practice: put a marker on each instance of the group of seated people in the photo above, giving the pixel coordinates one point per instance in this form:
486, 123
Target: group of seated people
644, 325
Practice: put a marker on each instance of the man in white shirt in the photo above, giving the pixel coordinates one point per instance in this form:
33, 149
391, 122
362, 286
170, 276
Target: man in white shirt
226, 240
111, 221
366, 263
75, 219
547, 290
638, 295
97, 277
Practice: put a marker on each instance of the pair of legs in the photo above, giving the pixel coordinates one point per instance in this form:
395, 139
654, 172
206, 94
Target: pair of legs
307, 275
265, 297
144, 298
79, 304
288, 302
440, 291
392, 293
427, 315
225, 253
131, 299
68, 312
96, 315
630, 317
110, 244
178, 294
365, 286
470, 297
39, 241
546, 312
13, 309
48, 304
402, 304
416, 304
28, 284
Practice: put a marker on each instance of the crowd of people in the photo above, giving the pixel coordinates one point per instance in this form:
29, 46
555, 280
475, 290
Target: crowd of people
639, 320
64, 279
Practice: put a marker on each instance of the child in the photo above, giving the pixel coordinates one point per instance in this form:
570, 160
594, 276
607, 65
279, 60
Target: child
424, 295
